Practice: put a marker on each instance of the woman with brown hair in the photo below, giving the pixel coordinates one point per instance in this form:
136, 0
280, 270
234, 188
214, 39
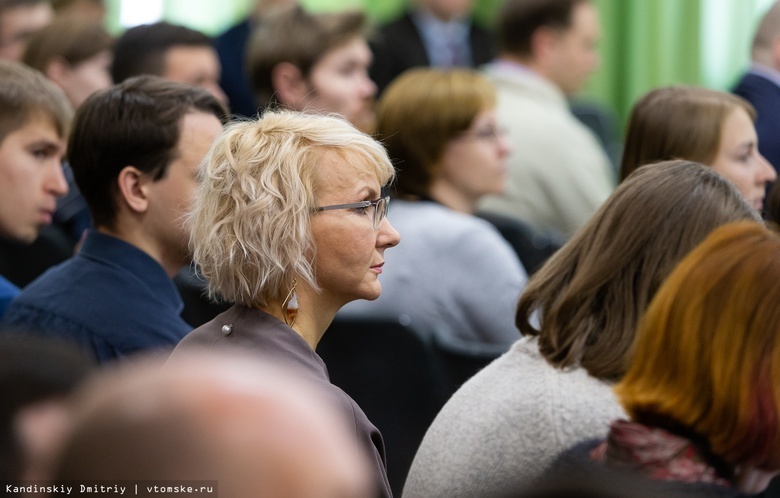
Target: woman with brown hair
440, 128
580, 311
702, 125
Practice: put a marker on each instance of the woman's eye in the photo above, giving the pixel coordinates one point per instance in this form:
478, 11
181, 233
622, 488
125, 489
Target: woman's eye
362, 210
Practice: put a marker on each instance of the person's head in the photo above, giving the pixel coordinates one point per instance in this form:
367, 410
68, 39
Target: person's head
709, 348
135, 149
34, 125
556, 38
591, 294
19, 19
37, 374
174, 52
314, 62
263, 7
92, 10
440, 129
253, 430
75, 54
766, 41
697, 124
447, 9
255, 228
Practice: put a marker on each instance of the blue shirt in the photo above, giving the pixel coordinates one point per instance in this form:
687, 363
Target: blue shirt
446, 42
8, 292
111, 298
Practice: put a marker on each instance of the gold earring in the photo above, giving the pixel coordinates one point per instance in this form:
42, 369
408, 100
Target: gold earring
290, 306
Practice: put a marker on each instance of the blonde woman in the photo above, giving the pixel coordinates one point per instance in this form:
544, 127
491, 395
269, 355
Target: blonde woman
290, 224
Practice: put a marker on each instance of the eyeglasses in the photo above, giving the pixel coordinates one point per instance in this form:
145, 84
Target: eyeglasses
380, 208
488, 133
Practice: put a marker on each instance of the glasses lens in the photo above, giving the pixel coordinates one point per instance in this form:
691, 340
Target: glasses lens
380, 212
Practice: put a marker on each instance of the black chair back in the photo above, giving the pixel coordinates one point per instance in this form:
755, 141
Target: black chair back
387, 367
460, 359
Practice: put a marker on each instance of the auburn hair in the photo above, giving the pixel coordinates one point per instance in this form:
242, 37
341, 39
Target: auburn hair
707, 352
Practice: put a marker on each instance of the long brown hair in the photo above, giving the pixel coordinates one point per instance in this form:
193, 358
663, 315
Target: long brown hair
677, 122
591, 294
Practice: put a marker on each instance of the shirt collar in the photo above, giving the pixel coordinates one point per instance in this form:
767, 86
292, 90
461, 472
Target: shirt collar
765, 72
111, 251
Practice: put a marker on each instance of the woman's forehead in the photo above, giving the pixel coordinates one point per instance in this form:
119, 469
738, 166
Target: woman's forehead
347, 173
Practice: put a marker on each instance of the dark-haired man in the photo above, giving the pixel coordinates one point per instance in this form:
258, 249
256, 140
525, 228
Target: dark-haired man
134, 150
560, 174
174, 52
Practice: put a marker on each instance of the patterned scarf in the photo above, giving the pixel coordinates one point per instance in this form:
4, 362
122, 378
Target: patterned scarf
656, 453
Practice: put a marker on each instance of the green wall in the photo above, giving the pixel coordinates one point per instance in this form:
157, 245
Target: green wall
646, 43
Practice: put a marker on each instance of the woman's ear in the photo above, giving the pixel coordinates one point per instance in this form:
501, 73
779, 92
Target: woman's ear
290, 87
132, 185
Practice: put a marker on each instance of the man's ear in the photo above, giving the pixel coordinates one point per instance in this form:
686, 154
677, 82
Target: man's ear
290, 87
58, 71
133, 189
544, 43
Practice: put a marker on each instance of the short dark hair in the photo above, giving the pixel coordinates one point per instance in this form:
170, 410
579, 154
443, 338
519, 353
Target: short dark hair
138, 123
518, 20
142, 49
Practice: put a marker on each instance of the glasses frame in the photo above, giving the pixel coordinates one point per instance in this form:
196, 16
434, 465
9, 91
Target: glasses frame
379, 214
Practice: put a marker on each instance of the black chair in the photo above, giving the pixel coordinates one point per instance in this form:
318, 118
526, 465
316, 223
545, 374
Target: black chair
604, 123
460, 359
388, 368
532, 246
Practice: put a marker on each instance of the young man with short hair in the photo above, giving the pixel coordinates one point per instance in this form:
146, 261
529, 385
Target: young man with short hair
171, 51
33, 129
135, 149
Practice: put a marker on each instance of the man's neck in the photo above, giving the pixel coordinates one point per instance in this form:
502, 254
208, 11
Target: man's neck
137, 238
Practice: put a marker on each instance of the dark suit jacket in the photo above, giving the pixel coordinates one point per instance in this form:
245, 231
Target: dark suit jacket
398, 46
765, 97
231, 48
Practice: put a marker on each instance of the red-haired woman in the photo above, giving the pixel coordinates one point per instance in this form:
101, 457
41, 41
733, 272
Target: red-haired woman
703, 390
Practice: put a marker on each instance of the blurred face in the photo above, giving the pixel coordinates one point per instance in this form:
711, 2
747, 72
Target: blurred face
86, 9
473, 163
87, 77
31, 179
739, 161
197, 66
350, 253
172, 196
574, 57
17, 24
340, 83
